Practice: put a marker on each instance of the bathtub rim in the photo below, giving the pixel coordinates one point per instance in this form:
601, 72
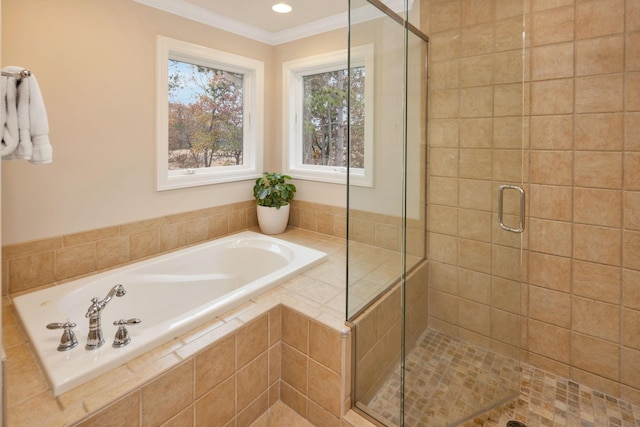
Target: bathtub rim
128, 353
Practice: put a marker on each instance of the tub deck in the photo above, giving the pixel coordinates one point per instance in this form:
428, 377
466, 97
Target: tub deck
318, 294
171, 294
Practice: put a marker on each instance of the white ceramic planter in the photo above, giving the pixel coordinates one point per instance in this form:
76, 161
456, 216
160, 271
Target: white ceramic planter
273, 220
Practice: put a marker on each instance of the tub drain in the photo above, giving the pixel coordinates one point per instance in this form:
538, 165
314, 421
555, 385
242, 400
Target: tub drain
514, 423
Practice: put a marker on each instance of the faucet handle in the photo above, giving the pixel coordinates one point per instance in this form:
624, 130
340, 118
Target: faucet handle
122, 337
132, 321
68, 339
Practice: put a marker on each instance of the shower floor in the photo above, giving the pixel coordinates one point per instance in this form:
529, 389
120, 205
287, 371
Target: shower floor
449, 379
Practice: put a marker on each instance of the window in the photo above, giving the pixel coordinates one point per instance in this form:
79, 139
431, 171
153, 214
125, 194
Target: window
210, 115
315, 117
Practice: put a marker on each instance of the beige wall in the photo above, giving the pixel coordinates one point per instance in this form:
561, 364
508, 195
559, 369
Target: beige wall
95, 62
389, 123
310, 191
581, 304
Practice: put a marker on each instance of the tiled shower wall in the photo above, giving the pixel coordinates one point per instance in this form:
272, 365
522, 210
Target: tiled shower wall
378, 332
584, 234
581, 292
475, 133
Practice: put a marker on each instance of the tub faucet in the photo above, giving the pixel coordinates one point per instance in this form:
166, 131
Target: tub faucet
95, 338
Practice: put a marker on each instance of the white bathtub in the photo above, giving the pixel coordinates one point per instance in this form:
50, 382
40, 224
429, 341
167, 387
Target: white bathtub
170, 293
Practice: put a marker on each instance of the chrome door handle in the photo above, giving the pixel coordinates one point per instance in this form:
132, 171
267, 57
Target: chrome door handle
501, 189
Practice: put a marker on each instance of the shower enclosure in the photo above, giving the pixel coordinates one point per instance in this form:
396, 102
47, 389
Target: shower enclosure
434, 243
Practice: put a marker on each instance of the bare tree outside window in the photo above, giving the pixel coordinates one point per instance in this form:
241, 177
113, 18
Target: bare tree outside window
325, 126
205, 116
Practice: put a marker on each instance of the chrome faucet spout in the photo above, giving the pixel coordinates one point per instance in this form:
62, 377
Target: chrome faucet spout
117, 290
95, 339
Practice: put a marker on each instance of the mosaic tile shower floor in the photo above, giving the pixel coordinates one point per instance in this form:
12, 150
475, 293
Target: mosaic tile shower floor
449, 378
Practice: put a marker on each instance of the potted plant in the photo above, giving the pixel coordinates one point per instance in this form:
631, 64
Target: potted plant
272, 193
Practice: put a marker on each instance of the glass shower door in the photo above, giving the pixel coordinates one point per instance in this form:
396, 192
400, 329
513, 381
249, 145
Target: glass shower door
387, 292
375, 228
434, 279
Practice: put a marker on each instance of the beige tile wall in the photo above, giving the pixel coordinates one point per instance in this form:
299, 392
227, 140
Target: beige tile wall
323, 219
48, 261
235, 380
587, 282
378, 332
581, 298
309, 369
54, 260
475, 133
227, 374
382, 231
315, 377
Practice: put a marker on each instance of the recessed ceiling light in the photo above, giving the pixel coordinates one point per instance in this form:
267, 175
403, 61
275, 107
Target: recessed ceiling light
281, 8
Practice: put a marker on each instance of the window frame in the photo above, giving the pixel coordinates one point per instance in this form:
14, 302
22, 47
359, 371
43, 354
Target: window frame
293, 73
253, 115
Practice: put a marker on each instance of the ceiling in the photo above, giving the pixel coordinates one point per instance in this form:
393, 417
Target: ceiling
258, 13
256, 20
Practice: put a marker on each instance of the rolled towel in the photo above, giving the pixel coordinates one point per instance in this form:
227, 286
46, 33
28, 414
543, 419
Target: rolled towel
24, 151
3, 108
10, 134
42, 151
33, 125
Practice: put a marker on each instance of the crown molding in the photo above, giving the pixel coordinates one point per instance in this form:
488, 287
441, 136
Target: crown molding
205, 16
323, 25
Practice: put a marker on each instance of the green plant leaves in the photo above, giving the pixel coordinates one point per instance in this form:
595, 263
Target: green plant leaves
272, 190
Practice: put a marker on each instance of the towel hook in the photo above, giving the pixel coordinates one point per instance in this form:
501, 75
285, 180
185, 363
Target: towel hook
21, 75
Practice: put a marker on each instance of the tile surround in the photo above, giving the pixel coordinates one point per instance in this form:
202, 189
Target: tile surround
377, 332
176, 383
302, 365
580, 165
50, 261
54, 260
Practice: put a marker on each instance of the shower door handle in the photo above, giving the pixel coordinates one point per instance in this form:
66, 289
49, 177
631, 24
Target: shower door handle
501, 190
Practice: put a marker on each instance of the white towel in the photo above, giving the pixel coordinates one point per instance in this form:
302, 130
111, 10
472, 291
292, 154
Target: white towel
26, 130
10, 135
3, 109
